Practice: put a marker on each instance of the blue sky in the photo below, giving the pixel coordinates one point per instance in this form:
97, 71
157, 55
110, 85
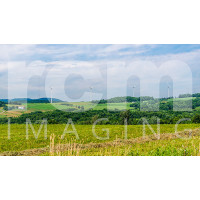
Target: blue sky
83, 60
91, 52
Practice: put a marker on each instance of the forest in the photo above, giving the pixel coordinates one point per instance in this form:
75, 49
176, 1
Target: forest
114, 118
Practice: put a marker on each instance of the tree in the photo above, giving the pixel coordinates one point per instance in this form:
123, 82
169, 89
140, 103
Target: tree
125, 115
196, 118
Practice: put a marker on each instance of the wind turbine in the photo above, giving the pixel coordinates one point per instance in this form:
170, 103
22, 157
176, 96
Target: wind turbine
39, 87
91, 88
51, 95
133, 90
168, 87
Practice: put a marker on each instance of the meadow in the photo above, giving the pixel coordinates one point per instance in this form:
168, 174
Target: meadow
85, 106
76, 106
65, 106
134, 145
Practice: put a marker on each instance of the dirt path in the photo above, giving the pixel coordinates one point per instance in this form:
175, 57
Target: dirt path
118, 142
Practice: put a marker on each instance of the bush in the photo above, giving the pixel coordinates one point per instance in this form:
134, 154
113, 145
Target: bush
196, 118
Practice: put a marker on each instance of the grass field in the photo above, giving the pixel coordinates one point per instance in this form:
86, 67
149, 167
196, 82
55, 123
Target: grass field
182, 99
87, 144
76, 105
73, 107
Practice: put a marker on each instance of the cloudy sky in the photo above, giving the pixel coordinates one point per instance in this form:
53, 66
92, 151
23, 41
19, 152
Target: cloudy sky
73, 71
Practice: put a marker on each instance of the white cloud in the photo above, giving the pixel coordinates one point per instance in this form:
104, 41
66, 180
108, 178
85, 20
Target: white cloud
88, 69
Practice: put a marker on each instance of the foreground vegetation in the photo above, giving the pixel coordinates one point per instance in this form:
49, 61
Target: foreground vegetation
175, 147
87, 144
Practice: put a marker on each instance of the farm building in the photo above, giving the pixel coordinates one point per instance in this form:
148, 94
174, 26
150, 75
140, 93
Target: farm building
21, 107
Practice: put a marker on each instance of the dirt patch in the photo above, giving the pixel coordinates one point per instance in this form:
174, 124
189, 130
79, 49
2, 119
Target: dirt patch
29, 152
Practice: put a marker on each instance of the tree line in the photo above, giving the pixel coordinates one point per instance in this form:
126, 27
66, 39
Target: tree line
114, 118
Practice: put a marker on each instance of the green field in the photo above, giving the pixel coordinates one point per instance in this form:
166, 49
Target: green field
182, 99
76, 106
87, 144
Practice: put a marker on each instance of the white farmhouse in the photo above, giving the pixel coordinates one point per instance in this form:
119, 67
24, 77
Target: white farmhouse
21, 107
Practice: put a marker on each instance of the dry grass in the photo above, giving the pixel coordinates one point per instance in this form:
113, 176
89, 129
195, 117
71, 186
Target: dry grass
13, 113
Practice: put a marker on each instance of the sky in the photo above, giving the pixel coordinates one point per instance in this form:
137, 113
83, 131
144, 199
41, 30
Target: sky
84, 72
